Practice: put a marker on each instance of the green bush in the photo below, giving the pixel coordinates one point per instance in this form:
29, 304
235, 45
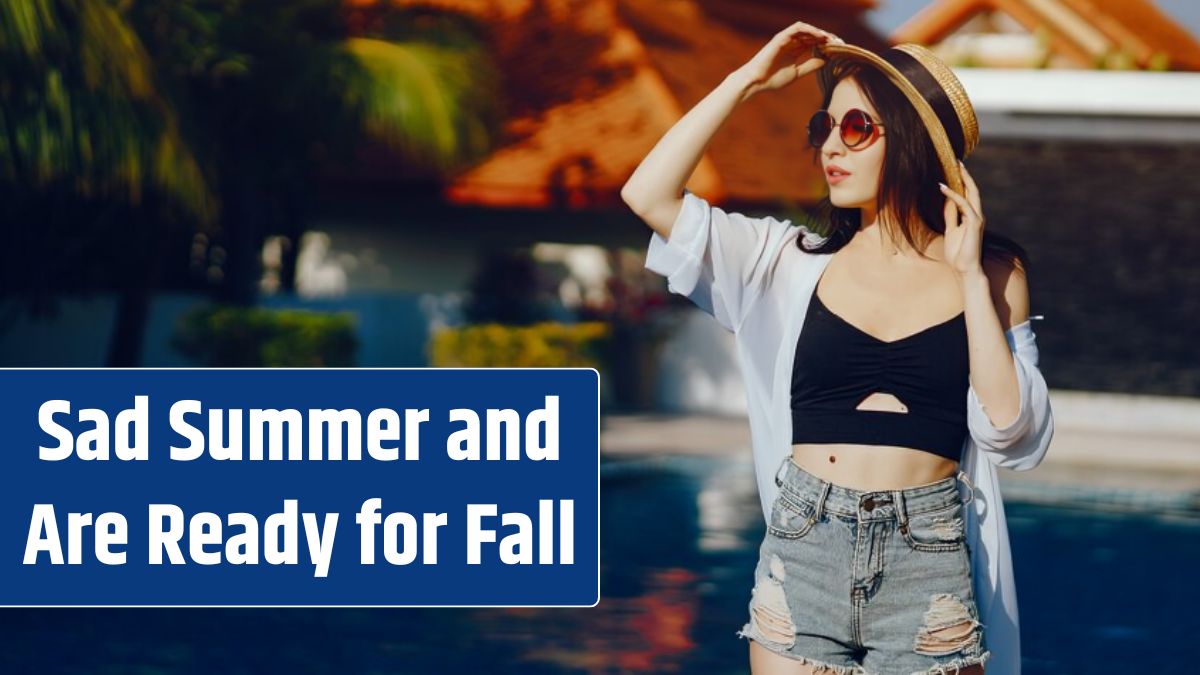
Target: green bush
224, 336
542, 345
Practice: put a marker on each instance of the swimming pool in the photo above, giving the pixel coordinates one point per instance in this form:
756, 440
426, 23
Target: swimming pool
679, 542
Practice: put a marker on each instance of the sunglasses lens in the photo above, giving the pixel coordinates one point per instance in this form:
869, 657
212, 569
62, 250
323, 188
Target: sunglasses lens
856, 128
819, 127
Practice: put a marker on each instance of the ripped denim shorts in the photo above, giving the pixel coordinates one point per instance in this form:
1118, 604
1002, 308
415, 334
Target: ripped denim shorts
866, 582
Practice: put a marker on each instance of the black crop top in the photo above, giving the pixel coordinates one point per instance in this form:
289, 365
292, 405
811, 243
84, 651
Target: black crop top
838, 365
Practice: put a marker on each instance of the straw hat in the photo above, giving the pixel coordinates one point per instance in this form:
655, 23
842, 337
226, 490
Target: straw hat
934, 91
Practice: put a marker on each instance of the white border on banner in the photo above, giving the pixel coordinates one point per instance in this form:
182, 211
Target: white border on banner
599, 498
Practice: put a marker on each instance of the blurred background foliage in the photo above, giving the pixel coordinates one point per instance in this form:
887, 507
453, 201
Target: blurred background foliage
156, 145
541, 345
82, 110
260, 337
126, 124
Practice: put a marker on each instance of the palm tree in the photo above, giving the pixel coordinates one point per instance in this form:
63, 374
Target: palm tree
281, 90
122, 117
89, 148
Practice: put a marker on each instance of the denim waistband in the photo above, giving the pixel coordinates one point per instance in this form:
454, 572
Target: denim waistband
796, 483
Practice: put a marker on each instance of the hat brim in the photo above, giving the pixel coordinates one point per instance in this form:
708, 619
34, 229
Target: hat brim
937, 133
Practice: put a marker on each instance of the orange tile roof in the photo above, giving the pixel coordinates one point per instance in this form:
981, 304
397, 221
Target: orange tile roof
593, 86
1080, 30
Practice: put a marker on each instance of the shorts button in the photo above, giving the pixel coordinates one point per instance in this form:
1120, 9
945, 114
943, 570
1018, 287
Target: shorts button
869, 504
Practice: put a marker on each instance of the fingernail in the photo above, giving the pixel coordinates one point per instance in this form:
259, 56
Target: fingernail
943, 185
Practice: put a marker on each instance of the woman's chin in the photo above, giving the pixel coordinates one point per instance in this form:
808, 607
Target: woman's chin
842, 202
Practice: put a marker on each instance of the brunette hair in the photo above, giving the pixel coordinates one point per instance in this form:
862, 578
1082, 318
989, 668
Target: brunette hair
911, 172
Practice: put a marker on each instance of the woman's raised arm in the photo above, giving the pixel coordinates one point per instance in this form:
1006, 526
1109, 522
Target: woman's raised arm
654, 190
718, 259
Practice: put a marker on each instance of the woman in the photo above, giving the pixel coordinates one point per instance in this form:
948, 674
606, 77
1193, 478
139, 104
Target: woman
872, 411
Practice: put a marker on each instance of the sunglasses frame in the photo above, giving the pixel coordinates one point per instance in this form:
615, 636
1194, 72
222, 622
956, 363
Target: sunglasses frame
873, 128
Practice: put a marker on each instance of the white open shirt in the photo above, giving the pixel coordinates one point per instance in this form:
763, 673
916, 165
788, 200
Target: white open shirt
749, 274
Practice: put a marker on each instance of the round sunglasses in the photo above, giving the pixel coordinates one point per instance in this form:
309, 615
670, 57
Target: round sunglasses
856, 128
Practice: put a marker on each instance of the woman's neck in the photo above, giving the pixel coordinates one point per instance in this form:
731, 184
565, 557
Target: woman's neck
890, 245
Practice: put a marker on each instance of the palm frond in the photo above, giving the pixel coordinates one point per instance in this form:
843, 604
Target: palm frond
430, 103
79, 108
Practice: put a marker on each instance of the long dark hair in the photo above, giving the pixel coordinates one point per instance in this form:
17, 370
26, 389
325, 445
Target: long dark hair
911, 172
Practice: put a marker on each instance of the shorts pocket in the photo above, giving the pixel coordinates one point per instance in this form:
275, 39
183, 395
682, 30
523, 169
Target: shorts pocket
939, 530
791, 517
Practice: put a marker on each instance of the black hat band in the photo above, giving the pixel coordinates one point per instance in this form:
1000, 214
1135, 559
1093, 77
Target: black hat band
931, 91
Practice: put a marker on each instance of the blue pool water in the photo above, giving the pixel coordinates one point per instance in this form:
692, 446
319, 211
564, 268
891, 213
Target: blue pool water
1102, 589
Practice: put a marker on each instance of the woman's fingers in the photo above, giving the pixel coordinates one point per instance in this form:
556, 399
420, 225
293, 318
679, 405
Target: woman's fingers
950, 213
801, 29
792, 53
823, 38
964, 206
971, 189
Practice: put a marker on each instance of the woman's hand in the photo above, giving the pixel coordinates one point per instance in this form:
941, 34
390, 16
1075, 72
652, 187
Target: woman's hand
963, 239
789, 56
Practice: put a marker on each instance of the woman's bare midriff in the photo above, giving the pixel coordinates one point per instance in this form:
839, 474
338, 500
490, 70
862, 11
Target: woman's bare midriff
872, 467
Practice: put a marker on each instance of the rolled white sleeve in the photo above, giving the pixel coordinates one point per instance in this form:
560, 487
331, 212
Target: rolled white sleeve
1023, 443
717, 259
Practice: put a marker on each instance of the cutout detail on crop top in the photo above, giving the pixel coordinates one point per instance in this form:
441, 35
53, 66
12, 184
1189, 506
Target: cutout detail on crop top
838, 365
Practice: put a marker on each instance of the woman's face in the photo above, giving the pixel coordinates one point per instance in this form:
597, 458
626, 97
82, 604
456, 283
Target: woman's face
864, 162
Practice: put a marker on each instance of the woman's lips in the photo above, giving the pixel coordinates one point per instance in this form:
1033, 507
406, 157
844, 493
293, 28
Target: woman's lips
834, 180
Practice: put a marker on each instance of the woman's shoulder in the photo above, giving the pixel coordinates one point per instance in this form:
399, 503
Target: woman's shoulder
1009, 290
